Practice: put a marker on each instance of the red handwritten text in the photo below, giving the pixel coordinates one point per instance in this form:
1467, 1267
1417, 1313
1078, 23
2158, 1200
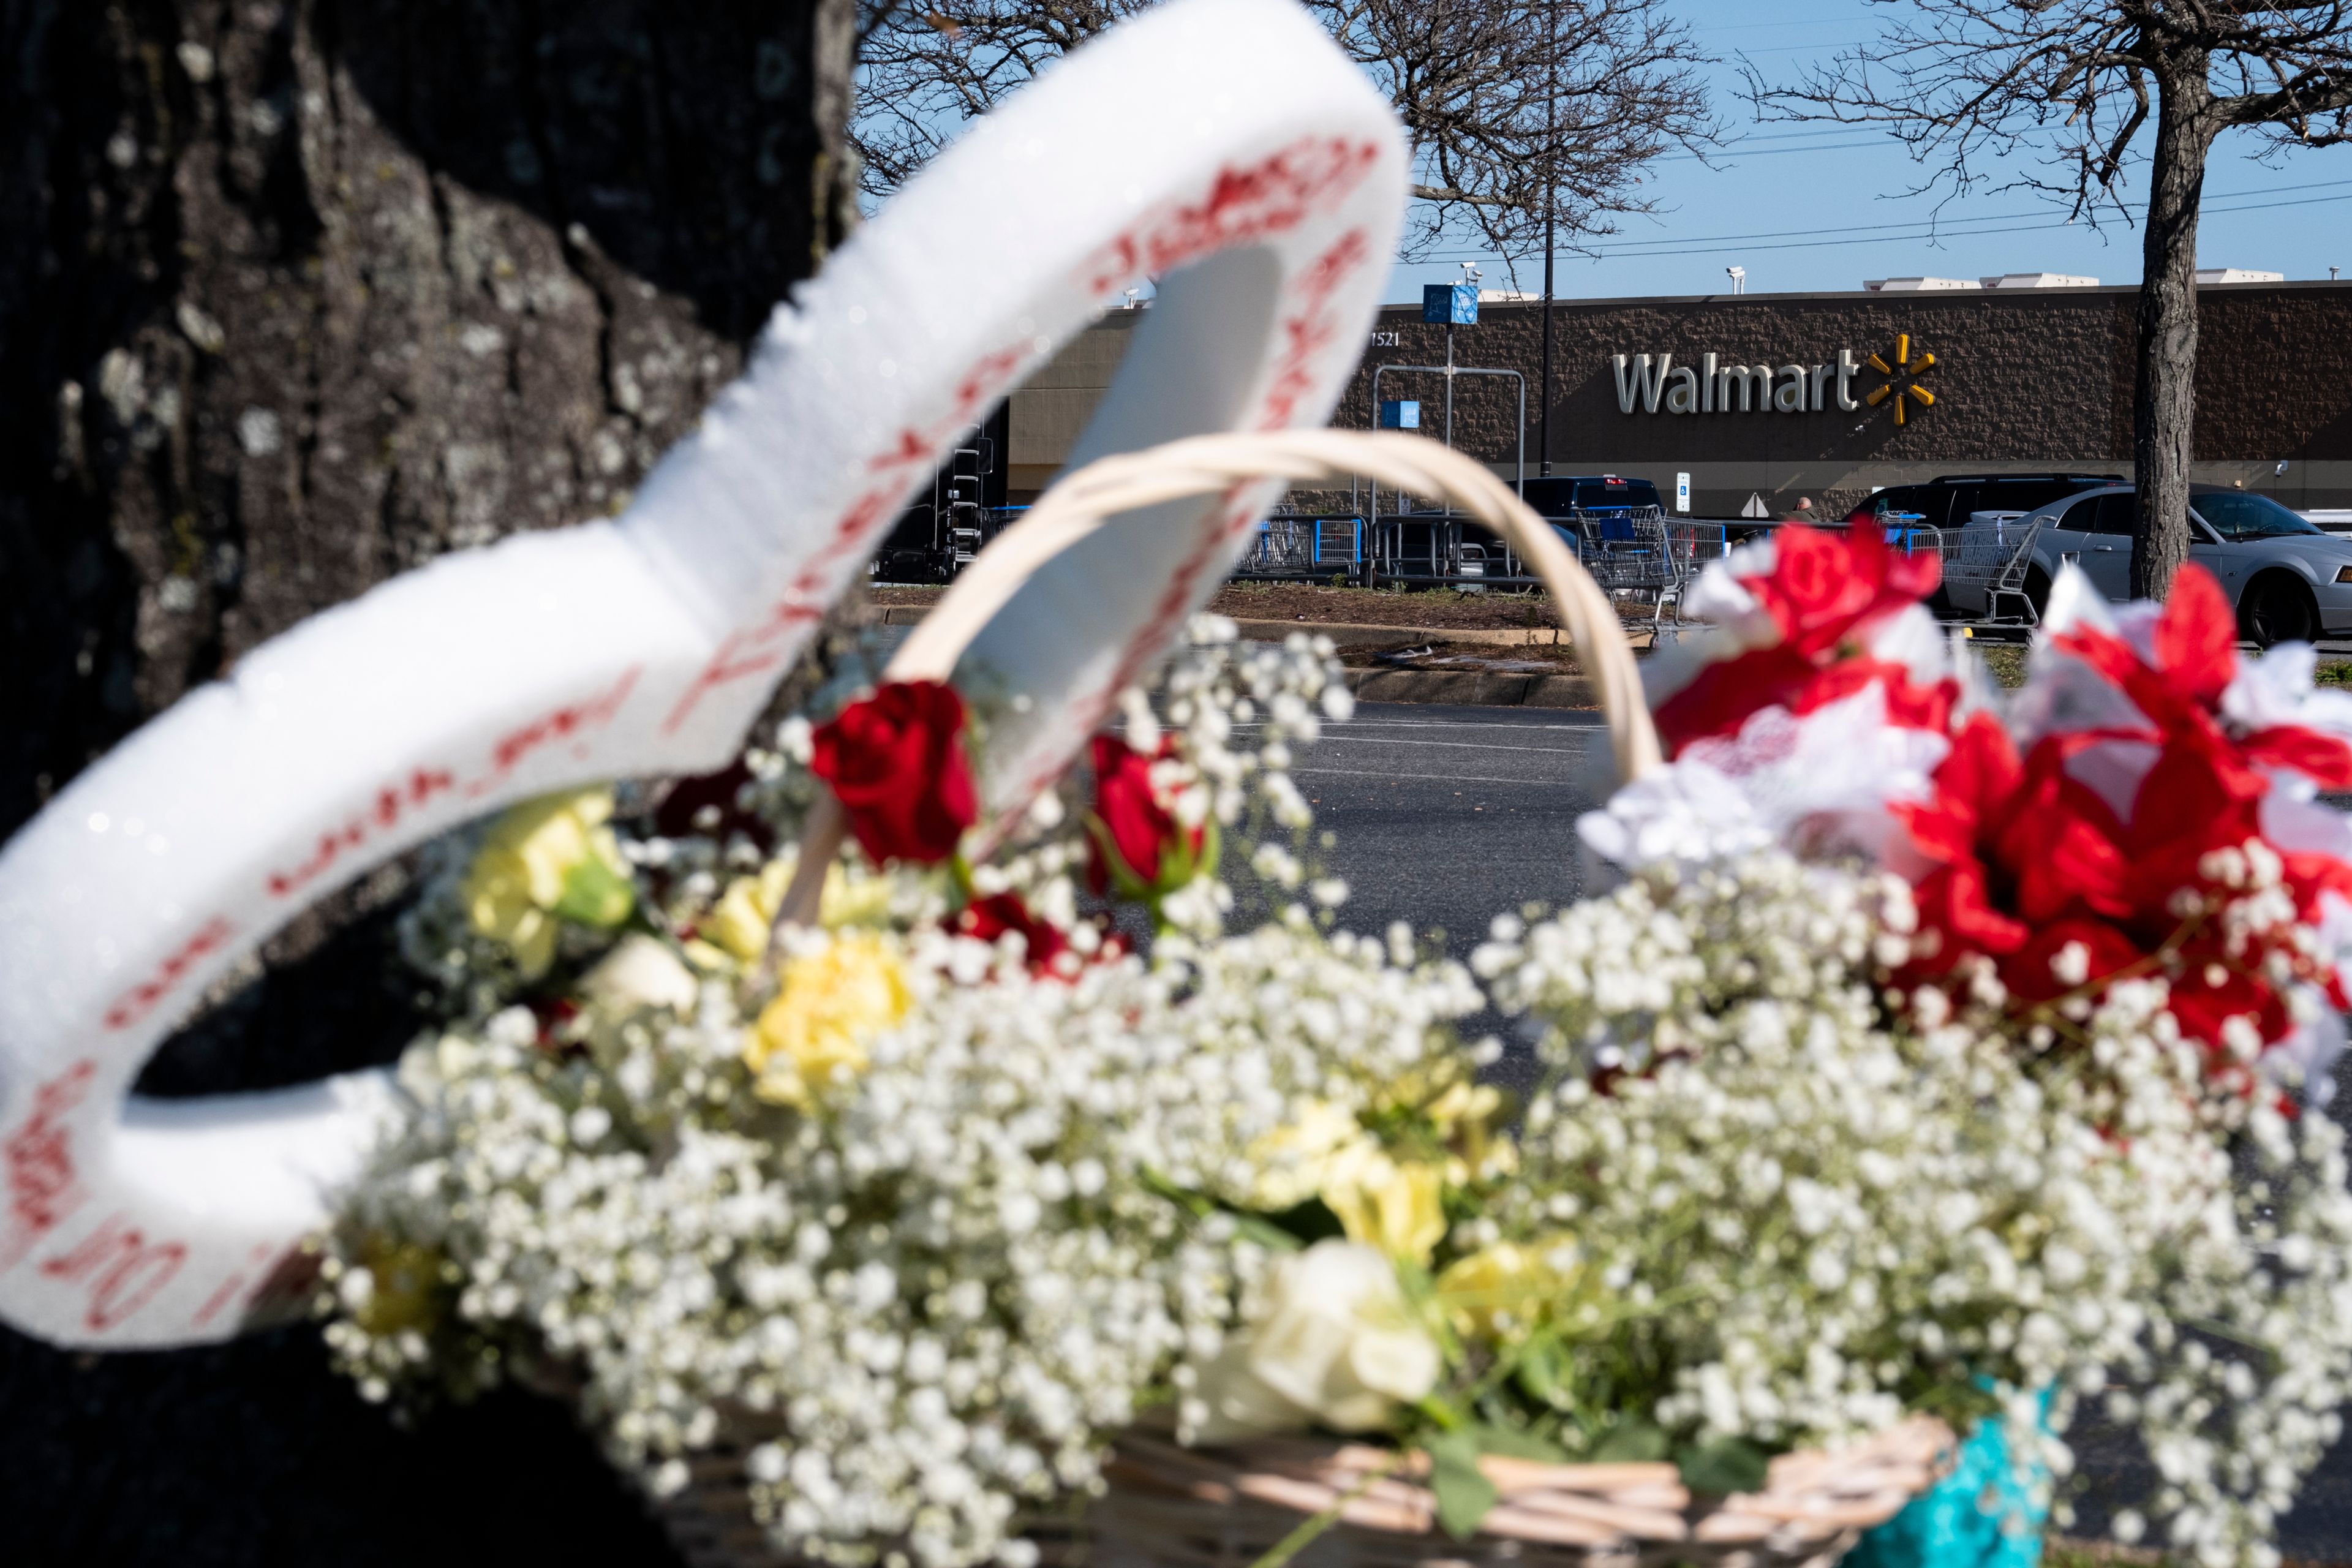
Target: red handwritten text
392, 803
122, 1270
239, 1284
1243, 206
754, 650
43, 1185
1310, 329
141, 999
571, 722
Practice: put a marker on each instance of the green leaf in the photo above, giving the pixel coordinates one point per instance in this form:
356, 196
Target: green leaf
1310, 1222
596, 893
1631, 1441
1265, 1233
1124, 885
1542, 1370
1514, 1444
1726, 1466
1463, 1494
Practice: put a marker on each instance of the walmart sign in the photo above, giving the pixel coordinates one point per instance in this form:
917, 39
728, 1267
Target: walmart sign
1654, 382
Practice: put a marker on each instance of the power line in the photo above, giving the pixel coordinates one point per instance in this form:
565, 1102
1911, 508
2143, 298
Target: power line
1914, 238
1667, 247
1733, 151
1844, 130
1793, 48
1751, 26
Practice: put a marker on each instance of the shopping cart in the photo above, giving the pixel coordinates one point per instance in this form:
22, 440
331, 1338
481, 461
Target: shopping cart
1985, 568
1631, 554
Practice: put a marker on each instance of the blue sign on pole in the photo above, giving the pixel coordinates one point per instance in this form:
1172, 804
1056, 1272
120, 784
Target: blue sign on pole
1399, 415
1450, 304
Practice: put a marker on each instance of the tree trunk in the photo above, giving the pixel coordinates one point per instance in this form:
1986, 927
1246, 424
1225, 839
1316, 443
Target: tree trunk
294, 295
2164, 413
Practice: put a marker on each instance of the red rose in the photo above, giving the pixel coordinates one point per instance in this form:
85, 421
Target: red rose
1139, 845
1823, 588
990, 917
895, 762
1826, 595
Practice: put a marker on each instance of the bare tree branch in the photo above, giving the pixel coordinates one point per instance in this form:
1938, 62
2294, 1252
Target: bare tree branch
1515, 108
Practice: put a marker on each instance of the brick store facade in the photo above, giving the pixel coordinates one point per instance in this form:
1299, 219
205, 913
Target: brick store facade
2023, 380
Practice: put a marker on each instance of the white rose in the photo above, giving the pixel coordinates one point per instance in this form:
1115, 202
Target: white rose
1332, 1341
641, 972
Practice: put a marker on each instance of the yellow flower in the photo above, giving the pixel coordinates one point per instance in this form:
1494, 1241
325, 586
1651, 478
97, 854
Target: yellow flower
1395, 1206
544, 862
402, 1289
740, 922
1504, 1287
833, 1002
1294, 1162
1466, 1116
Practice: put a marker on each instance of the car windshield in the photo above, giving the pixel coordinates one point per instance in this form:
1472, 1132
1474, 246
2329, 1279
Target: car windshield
2242, 517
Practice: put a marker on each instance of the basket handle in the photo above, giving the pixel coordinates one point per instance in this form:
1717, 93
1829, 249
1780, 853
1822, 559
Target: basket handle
1203, 465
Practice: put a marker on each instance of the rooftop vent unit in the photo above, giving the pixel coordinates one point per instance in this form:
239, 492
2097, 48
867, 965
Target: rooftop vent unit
1506, 296
2039, 280
1918, 285
2237, 275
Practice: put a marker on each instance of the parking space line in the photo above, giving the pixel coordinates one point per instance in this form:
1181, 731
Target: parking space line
1435, 778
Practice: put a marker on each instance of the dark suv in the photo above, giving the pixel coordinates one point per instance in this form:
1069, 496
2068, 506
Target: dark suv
1947, 501
1593, 496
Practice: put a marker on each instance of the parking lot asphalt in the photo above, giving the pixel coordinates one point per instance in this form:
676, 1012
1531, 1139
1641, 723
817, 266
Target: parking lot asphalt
1448, 817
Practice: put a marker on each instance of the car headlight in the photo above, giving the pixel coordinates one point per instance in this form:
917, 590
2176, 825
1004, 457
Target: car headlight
2344, 573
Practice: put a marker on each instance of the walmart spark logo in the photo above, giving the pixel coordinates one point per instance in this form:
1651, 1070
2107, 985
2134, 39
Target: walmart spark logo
1902, 381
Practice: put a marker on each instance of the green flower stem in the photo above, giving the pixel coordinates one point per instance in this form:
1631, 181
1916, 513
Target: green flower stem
1306, 1534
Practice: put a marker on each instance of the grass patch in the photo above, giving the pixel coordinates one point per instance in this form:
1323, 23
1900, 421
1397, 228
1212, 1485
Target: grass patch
2005, 661
2075, 1552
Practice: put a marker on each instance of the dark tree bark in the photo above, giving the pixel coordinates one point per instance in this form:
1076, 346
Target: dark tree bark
2164, 404
294, 296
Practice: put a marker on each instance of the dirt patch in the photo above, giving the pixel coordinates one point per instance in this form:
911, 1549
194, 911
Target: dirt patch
1311, 604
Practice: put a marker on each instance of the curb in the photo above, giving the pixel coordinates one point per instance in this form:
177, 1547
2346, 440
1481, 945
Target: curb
1475, 687
1353, 635
1469, 688
1343, 634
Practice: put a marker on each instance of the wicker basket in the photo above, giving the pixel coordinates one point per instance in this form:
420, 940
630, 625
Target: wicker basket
1168, 1507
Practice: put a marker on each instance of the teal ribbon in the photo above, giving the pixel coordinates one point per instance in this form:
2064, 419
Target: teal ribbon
1983, 1515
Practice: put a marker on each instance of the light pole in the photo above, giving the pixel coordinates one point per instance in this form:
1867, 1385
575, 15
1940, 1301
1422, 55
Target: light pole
1552, 214
1471, 276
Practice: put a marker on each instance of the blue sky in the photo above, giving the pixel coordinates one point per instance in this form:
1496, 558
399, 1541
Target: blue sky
1780, 190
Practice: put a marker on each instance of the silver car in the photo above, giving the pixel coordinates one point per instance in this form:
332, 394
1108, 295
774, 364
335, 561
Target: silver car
2288, 579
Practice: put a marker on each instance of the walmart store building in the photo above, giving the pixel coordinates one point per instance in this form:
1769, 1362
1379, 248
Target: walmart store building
1772, 397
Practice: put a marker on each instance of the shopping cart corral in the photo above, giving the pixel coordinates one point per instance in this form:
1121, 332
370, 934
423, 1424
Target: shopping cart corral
1637, 554
1302, 546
